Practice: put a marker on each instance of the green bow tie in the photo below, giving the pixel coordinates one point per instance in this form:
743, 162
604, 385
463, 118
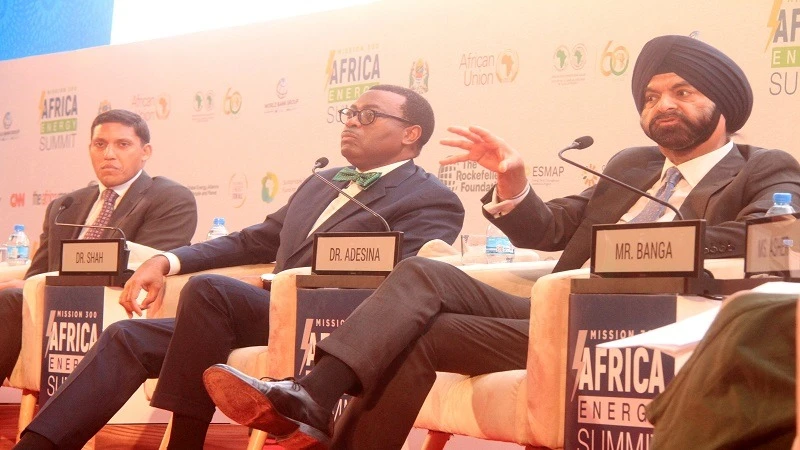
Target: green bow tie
365, 179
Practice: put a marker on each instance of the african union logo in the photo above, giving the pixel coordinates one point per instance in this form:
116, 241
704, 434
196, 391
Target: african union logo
232, 102
7, 120
614, 61
508, 66
164, 106
269, 187
418, 77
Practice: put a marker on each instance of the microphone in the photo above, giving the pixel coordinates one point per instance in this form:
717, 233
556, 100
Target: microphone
67, 203
321, 163
585, 141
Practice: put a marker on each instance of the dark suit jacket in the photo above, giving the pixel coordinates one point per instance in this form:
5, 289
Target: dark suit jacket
410, 199
156, 212
738, 188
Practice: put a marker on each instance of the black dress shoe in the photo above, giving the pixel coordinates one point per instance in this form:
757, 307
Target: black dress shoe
282, 408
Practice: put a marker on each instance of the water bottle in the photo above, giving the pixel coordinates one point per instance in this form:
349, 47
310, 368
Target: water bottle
217, 229
498, 246
18, 247
781, 204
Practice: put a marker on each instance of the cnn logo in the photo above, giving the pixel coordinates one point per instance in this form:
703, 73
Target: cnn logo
17, 200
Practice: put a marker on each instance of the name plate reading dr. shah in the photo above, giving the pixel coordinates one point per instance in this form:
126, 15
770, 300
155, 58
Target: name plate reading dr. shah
656, 249
93, 257
356, 253
773, 246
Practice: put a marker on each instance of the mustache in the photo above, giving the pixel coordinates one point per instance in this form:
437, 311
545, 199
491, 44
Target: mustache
669, 115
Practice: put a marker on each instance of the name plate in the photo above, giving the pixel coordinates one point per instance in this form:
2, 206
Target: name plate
773, 246
663, 249
93, 257
356, 253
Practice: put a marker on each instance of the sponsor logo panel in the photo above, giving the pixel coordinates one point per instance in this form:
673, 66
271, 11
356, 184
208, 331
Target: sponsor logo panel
349, 72
783, 46
58, 118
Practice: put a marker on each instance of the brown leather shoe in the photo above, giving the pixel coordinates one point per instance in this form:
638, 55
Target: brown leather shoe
281, 408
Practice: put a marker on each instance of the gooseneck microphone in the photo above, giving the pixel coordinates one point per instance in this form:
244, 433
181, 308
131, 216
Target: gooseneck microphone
67, 203
585, 141
321, 163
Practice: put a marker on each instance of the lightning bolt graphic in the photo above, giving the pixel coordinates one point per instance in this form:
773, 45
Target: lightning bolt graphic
772, 23
304, 344
329, 68
577, 360
41, 106
50, 321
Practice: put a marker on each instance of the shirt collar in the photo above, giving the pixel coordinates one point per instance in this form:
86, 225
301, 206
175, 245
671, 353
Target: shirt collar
695, 169
383, 170
122, 188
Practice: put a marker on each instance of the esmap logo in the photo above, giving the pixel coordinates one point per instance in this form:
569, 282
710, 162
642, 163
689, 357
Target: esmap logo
237, 189
784, 31
152, 106
231, 102
544, 175
269, 187
284, 102
614, 60
482, 69
351, 71
58, 118
569, 62
418, 76
203, 104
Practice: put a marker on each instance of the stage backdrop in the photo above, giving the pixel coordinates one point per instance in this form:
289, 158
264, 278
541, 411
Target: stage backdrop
240, 115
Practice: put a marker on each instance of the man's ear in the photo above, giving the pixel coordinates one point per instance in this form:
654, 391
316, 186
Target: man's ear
411, 134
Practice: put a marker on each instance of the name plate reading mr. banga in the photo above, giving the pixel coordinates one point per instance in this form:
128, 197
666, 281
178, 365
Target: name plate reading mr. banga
93, 257
356, 253
773, 246
663, 249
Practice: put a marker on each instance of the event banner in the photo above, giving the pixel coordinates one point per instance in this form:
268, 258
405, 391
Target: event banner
319, 312
608, 389
73, 318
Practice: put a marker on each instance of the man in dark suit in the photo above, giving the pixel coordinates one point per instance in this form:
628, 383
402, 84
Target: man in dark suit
155, 212
690, 97
384, 130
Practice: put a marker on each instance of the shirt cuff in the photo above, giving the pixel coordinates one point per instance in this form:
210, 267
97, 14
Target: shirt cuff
174, 263
498, 208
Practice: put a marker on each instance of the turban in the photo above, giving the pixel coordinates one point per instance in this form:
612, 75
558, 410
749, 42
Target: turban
704, 67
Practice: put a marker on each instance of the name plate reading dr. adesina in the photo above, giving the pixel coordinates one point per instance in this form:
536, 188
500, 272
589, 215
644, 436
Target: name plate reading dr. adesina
92, 257
356, 253
663, 249
773, 246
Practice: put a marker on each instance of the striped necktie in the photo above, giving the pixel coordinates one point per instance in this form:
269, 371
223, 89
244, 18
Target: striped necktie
653, 210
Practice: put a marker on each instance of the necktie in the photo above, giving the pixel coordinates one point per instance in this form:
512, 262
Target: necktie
653, 210
109, 197
365, 179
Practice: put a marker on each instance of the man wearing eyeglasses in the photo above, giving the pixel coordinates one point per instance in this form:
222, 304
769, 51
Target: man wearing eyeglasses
384, 130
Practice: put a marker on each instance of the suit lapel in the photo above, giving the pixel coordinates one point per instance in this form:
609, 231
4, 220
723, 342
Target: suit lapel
78, 212
132, 198
718, 177
376, 192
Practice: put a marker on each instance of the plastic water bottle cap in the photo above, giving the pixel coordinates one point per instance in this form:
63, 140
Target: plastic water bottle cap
19, 227
219, 221
782, 197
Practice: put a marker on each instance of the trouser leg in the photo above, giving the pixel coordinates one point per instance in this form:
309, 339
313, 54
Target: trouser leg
402, 308
11, 330
383, 417
215, 315
125, 355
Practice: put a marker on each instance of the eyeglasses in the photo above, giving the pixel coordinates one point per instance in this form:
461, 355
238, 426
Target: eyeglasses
366, 116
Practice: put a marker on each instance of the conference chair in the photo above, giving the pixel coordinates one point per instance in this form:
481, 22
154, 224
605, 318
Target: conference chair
515, 278
27, 372
521, 406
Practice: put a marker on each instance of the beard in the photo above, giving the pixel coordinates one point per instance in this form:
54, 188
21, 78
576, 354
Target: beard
686, 134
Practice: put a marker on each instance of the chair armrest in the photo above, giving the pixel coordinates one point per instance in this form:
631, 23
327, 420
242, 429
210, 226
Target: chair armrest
168, 305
